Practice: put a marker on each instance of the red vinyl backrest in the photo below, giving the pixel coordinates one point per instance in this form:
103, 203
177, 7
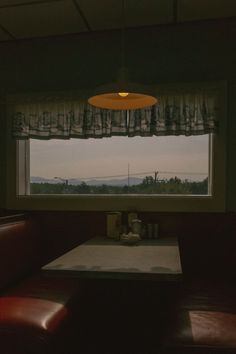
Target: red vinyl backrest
19, 251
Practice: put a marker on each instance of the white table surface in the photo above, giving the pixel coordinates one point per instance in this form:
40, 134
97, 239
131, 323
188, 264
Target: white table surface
106, 258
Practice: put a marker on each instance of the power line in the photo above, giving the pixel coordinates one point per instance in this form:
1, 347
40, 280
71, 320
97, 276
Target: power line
149, 172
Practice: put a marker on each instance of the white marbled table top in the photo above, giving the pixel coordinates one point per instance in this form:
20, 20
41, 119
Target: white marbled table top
107, 258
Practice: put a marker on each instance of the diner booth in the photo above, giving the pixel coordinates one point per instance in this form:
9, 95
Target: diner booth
130, 272
170, 295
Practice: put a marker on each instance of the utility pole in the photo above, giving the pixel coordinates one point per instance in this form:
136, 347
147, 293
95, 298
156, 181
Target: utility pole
128, 175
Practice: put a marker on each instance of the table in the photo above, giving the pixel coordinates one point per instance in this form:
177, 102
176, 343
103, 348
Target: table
110, 259
125, 291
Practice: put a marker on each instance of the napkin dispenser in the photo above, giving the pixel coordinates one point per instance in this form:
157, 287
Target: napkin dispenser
113, 225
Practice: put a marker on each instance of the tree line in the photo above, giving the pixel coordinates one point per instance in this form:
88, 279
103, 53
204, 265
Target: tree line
149, 185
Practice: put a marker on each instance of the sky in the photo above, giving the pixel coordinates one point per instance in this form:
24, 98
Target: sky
86, 158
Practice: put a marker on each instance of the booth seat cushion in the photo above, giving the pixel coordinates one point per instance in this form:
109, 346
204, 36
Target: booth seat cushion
40, 312
204, 321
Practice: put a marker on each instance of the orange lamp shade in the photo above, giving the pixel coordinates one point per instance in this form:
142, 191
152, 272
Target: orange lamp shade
122, 100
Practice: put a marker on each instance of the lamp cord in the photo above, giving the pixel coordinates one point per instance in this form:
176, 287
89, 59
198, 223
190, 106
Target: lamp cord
123, 35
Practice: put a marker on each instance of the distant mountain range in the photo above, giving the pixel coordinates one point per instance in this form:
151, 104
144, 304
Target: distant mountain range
92, 182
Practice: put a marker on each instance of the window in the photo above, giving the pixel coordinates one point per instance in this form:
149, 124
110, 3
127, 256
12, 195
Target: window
166, 172
121, 165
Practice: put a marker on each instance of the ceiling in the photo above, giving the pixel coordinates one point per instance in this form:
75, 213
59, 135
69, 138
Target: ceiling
22, 19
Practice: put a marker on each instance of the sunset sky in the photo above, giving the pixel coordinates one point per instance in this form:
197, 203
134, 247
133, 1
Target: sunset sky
79, 158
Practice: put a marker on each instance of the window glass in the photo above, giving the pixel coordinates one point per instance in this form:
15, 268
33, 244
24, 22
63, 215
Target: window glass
121, 165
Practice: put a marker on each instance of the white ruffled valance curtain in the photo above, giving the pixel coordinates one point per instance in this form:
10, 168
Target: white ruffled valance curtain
66, 120
176, 113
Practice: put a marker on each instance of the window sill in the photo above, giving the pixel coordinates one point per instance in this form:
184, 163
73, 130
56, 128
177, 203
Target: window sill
175, 203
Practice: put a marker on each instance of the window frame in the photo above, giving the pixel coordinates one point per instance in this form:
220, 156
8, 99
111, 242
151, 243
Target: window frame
21, 199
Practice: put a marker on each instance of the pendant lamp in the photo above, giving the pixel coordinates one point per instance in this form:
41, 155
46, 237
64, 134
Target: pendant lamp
122, 94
